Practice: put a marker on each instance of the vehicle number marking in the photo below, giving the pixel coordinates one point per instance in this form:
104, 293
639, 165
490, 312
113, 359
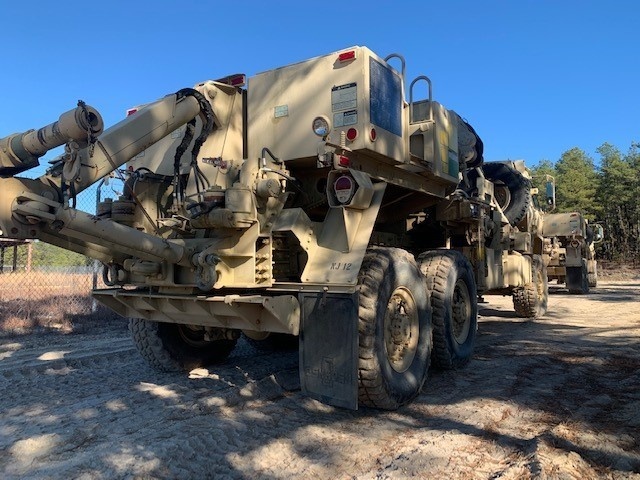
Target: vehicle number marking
340, 266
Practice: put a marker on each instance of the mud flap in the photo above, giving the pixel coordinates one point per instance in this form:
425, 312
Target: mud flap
329, 348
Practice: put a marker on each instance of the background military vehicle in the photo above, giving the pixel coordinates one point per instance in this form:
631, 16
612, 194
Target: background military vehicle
569, 250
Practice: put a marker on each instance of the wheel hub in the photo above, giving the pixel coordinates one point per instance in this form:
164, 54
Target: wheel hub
193, 335
461, 311
401, 329
502, 194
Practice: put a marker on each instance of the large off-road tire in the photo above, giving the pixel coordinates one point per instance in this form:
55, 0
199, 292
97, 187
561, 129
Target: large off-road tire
273, 342
170, 347
592, 277
454, 309
577, 279
394, 329
531, 301
512, 190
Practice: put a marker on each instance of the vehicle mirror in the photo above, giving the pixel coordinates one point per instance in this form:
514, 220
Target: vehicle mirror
598, 235
550, 193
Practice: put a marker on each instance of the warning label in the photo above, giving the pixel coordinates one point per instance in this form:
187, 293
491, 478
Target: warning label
342, 119
344, 97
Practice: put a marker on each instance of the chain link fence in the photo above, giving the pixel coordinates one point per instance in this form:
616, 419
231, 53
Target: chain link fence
46, 286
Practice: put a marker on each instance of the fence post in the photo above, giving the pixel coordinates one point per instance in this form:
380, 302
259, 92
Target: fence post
94, 285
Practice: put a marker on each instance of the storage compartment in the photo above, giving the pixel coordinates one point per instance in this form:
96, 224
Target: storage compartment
356, 91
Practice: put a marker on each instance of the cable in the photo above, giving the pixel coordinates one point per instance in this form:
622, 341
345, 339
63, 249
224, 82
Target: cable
206, 113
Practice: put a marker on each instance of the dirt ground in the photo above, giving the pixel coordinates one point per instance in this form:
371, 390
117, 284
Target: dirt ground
558, 397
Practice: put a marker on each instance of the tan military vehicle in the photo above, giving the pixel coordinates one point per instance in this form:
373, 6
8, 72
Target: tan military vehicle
569, 250
315, 201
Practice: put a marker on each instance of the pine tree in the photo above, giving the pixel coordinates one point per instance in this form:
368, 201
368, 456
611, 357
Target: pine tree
577, 184
615, 197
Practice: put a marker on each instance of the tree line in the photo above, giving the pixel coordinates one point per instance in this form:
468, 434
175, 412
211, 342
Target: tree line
606, 192
39, 255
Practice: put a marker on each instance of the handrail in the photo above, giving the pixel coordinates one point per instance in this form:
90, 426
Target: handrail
425, 78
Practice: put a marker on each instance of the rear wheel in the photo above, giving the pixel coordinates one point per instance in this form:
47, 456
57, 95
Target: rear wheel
394, 329
452, 288
531, 300
173, 347
592, 277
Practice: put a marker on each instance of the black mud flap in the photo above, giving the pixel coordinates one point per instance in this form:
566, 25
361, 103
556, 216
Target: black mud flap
329, 348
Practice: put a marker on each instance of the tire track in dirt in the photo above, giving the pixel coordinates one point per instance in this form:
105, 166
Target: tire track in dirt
83, 388
554, 397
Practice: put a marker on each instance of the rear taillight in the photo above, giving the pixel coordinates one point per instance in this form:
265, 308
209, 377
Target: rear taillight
235, 80
347, 56
344, 186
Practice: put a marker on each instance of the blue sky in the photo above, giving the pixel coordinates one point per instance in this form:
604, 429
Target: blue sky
535, 78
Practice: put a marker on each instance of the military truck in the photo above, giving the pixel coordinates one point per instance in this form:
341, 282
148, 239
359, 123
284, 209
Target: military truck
494, 219
312, 200
569, 250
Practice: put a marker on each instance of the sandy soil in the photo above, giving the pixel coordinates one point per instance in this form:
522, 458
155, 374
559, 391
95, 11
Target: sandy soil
558, 397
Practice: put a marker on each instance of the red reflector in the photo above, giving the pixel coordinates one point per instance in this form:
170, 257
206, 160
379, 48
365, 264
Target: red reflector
346, 56
352, 134
373, 135
131, 111
343, 161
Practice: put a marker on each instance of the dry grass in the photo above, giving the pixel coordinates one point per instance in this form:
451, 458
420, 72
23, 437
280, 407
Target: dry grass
618, 271
48, 301
38, 285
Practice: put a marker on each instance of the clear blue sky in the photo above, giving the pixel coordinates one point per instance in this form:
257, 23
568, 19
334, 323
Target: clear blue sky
535, 78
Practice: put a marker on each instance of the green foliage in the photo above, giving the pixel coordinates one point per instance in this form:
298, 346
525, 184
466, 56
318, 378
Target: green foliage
619, 189
45, 255
577, 183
